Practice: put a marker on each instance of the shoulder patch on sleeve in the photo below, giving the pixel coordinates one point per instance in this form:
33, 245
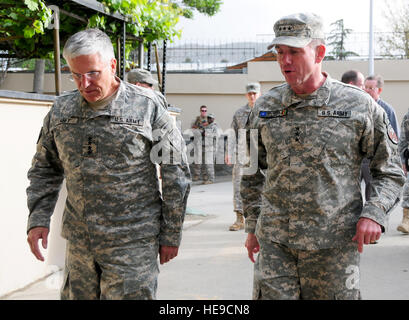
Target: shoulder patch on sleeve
392, 134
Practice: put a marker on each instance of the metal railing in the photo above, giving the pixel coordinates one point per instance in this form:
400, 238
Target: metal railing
217, 55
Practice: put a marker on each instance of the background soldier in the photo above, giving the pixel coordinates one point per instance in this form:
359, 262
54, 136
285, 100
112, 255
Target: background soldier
306, 214
403, 147
142, 78
212, 134
99, 138
199, 125
240, 118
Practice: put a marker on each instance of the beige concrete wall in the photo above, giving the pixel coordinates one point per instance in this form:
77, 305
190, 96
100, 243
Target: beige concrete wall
20, 123
224, 93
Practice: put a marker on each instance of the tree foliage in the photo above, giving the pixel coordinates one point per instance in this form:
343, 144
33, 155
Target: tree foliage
24, 32
396, 14
336, 40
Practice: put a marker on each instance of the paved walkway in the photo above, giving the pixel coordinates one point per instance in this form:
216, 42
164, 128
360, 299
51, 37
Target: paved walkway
213, 264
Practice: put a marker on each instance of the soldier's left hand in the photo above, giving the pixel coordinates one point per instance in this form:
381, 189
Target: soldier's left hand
167, 253
367, 231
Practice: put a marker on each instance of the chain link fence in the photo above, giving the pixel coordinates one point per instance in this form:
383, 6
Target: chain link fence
217, 55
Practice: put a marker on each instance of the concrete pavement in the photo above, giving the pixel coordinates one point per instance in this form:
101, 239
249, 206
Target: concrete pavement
212, 263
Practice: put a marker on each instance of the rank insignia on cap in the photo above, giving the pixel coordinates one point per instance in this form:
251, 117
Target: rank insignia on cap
392, 134
272, 114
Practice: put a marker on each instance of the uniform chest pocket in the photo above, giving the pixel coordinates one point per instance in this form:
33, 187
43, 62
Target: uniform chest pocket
242, 120
68, 139
275, 135
122, 145
339, 140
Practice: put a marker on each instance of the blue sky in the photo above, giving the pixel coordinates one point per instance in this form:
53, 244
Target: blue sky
245, 19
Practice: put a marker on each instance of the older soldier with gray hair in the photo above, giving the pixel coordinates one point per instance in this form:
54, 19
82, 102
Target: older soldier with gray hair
240, 118
306, 216
99, 138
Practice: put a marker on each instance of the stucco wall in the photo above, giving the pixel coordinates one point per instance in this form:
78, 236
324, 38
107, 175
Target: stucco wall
20, 123
224, 93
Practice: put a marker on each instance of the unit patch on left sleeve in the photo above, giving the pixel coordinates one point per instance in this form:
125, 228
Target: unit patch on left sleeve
392, 134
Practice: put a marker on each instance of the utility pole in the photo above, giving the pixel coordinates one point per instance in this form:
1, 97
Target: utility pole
371, 40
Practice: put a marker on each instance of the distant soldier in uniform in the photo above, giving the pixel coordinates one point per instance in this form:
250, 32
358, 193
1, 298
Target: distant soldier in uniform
99, 138
211, 137
240, 118
198, 166
141, 77
306, 216
403, 147
201, 121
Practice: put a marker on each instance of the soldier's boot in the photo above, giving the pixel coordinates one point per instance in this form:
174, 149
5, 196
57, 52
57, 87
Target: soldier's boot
404, 226
239, 223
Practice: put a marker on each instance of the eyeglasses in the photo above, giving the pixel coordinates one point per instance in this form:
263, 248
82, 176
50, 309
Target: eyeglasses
92, 75
203, 110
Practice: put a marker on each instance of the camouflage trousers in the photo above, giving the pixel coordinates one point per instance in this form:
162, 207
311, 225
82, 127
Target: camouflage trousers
281, 273
127, 272
405, 195
205, 169
236, 177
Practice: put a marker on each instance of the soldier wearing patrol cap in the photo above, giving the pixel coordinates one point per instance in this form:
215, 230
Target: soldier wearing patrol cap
141, 77
305, 217
239, 121
100, 139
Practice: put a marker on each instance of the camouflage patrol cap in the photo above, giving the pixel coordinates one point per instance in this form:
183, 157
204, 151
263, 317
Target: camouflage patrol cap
253, 87
211, 115
298, 30
141, 75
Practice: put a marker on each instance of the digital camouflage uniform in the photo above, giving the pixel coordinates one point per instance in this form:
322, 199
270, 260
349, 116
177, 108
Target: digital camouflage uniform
239, 122
310, 199
200, 169
403, 148
210, 142
115, 215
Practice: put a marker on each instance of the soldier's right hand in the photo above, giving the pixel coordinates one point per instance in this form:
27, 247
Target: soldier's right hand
252, 246
227, 160
34, 235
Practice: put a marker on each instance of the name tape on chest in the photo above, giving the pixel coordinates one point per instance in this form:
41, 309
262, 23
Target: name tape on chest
334, 113
272, 114
125, 120
72, 120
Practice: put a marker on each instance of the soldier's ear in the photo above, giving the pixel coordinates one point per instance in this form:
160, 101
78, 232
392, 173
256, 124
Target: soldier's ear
320, 53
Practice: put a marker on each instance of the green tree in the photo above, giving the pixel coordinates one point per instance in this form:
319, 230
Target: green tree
24, 33
336, 40
23, 29
396, 14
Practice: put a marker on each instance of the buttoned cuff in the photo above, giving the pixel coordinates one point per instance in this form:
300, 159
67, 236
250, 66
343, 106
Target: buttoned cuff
250, 225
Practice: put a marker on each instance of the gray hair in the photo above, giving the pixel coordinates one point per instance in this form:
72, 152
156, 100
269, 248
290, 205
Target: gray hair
87, 42
378, 78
